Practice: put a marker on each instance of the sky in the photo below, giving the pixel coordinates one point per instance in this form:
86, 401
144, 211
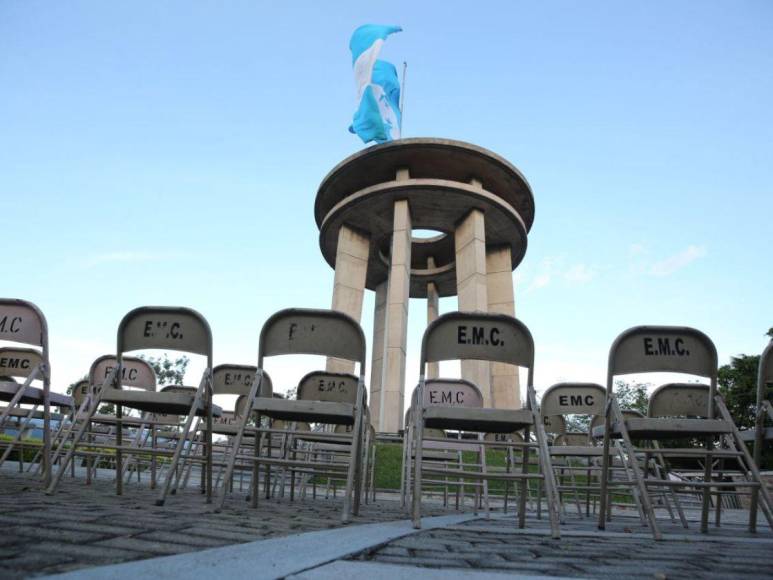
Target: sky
169, 153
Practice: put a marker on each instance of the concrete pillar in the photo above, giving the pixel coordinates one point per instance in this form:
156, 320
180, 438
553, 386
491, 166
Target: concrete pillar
349, 285
471, 289
505, 387
377, 346
433, 306
390, 416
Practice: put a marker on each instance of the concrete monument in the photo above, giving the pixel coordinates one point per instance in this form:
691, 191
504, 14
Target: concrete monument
367, 208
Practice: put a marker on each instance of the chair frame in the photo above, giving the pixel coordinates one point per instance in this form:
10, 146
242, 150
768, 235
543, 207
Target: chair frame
157, 327
494, 338
675, 349
295, 331
17, 327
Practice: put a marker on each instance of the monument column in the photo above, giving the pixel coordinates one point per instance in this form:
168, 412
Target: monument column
505, 387
390, 417
377, 346
349, 284
472, 295
433, 306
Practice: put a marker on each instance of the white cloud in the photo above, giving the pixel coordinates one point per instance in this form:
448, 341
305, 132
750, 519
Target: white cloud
677, 261
544, 274
579, 274
540, 281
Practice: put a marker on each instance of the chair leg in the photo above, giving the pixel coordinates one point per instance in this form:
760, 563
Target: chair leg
351, 475
419, 435
178, 450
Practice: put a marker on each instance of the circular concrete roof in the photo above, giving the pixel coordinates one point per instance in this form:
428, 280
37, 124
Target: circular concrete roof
361, 190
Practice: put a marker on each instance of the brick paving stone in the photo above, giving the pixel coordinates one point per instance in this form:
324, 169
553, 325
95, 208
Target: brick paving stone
149, 548
184, 539
43, 532
233, 535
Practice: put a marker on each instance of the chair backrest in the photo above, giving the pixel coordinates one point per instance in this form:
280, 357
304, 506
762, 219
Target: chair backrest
19, 362
449, 393
328, 386
310, 331
573, 399
23, 322
135, 372
478, 336
228, 379
167, 328
676, 349
79, 391
679, 400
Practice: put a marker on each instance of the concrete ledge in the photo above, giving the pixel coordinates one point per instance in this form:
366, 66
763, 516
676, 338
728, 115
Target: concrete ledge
273, 558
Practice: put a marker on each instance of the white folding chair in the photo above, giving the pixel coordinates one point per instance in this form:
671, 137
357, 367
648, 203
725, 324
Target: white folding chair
319, 332
166, 328
489, 337
439, 447
20, 363
234, 380
22, 322
691, 413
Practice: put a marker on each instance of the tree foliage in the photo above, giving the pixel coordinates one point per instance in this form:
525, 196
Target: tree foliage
168, 371
738, 386
632, 396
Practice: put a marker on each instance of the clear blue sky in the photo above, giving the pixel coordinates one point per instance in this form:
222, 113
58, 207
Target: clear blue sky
169, 153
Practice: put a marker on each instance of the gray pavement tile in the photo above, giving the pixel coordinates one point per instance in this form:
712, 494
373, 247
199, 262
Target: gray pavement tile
183, 539
43, 532
148, 548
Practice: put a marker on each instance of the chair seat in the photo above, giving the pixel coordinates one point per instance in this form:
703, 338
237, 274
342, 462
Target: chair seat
168, 403
668, 428
309, 411
480, 420
32, 395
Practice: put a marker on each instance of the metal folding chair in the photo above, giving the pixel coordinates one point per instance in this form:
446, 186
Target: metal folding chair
489, 337
440, 447
234, 380
166, 328
306, 331
22, 322
760, 434
20, 363
691, 415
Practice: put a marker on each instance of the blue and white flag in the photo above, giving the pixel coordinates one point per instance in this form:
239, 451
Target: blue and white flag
378, 88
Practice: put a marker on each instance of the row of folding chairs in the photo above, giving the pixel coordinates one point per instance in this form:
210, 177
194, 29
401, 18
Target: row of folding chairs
262, 434
630, 456
173, 427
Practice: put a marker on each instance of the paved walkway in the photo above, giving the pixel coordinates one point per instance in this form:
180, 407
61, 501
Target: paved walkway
82, 526
88, 532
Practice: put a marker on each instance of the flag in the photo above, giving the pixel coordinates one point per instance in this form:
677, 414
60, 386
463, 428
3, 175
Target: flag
378, 89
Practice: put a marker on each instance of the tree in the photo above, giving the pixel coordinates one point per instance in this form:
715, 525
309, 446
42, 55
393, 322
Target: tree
632, 396
168, 371
738, 386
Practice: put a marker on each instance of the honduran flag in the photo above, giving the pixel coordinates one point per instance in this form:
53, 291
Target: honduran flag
378, 88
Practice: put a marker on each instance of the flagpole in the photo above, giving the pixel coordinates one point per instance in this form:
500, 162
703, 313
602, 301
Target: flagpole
402, 98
